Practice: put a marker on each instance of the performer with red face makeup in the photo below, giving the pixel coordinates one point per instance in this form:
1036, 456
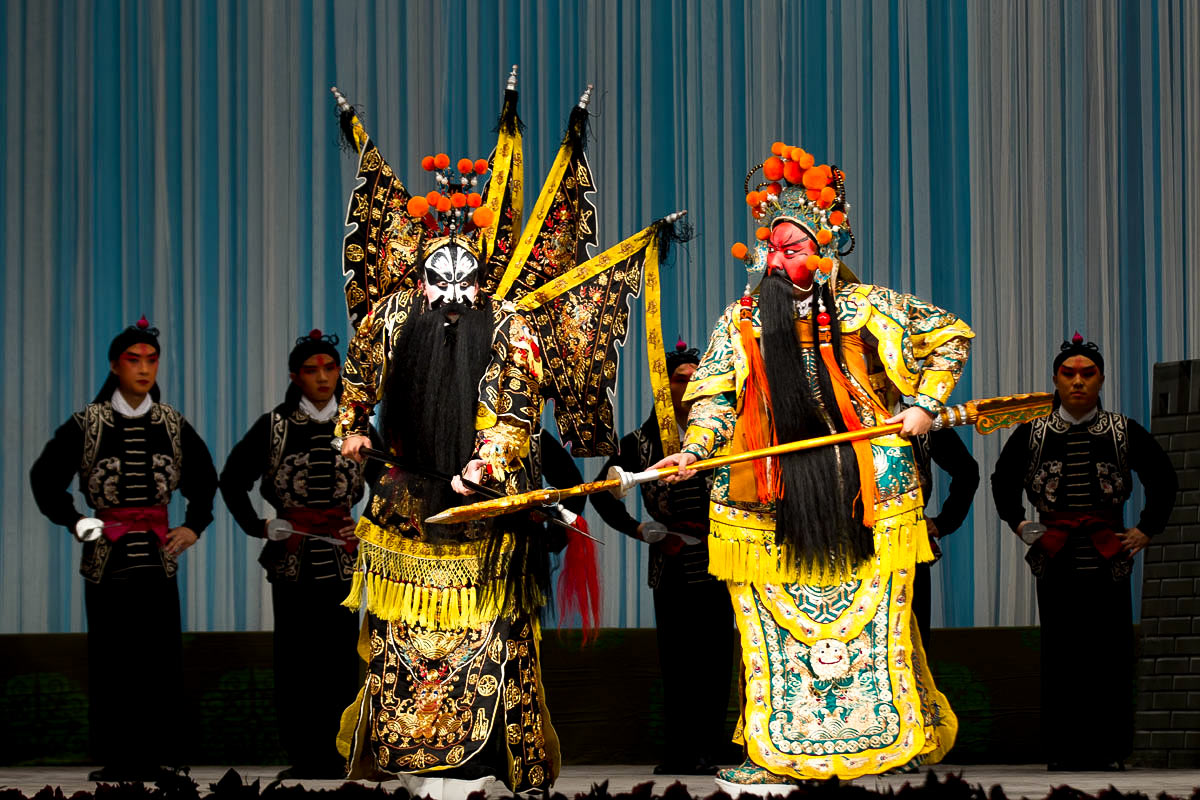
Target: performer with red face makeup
818, 548
131, 454
1076, 466
309, 551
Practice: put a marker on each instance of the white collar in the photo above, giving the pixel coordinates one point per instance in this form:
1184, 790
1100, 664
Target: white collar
319, 414
1088, 417
122, 407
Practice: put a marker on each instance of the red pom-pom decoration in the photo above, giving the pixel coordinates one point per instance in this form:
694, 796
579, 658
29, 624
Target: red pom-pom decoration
443, 204
827, 196
482, 217
806, 160
458, 200
792, 172
775, 189
813, 262
432, 198
144, 323
823, 318
779, 148
465, 165
837, 218
773, 168
752, 199
762, 234
441, 161
474, 199
739, 251
824, 236
813, 194
480, 166
418, 207
827, 265
427, 164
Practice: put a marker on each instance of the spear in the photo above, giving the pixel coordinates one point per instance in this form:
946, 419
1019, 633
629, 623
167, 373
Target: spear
987, 416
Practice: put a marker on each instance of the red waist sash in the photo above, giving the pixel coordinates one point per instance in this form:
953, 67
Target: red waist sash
120, 521
1100, 528
322, 521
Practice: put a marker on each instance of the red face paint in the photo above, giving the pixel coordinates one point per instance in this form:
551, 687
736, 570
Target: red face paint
136, 370
788, 250
318, 378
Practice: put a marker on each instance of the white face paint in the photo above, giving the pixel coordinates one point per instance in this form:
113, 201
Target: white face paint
451, 275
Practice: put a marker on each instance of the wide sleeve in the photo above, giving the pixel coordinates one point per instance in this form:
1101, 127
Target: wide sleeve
611, 510
947, 450
198, 484
246, 464
366, 367
712, 391
51, 475
1008, 478
1157, 474
510, 407
923, 348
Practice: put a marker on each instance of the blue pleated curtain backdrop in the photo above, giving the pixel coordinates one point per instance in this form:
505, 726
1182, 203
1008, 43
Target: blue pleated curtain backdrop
1033, 166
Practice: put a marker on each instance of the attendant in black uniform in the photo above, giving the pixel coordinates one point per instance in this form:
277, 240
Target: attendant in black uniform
945, 448
131, 453
1076, 466
694, 617
312, 488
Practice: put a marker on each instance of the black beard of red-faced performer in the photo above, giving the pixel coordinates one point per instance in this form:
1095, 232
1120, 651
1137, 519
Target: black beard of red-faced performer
433, 392
813, 519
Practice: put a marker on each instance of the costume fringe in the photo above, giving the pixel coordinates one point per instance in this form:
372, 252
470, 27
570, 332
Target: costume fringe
434, 590
740, 555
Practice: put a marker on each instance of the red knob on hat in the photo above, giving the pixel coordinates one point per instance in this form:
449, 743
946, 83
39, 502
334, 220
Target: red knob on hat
143, 323
314, 334
1076, 339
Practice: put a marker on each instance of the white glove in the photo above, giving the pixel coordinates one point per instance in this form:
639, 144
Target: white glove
653, 532
279, 529
89, 529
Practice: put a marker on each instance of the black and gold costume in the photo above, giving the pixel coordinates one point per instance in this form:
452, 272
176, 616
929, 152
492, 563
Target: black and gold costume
453, 684
128, 468
693, 615
313, 486
1079, 475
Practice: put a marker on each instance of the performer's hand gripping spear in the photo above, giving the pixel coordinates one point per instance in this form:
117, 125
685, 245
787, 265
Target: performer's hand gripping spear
553, 511
986, 415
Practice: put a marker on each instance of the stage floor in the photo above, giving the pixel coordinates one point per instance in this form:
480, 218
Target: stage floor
1028, 780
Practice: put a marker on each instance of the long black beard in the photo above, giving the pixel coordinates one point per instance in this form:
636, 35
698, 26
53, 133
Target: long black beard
818, 518
433, 392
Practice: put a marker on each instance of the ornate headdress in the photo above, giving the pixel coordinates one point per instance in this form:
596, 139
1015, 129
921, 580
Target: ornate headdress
813, 196
1075, 346
577, 302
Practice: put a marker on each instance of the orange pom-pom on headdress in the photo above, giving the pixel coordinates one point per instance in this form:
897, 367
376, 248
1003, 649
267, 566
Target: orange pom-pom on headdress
828, 195
824, 236
433, 197
441, 161
815, 178
779, 148
739, 251
837, 217
418, 206
465, 165
458, 200
474, 199
773, 168
480, 166
427, 164
762, 234
482, 217
792, 172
